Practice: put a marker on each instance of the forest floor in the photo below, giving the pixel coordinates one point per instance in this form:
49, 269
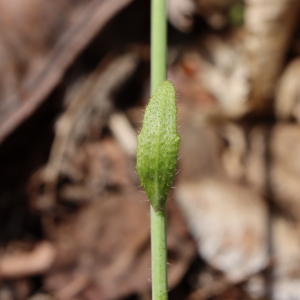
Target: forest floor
74, 81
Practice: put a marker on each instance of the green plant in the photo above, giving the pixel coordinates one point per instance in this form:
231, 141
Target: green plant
157, 149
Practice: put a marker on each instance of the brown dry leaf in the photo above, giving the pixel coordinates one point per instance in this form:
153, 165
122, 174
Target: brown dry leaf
89, 108
226, 75
186, 76
229, 224
255, 160
288, 92
96, 167
244, 158
29, 263
104, 248
199, 146
124, 133
241, 69
231, 218
109, 242
285, 167
269, 25
40, 41
217, 76
180, 13
233, 155
286, 248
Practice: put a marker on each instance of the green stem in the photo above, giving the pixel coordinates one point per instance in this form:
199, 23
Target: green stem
158, 219
159, 255
158, 43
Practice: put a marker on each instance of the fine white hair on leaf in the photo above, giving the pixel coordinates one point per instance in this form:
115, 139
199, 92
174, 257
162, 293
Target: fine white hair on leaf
177, 170
160, 121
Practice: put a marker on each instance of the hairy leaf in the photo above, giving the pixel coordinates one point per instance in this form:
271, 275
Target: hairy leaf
158, 145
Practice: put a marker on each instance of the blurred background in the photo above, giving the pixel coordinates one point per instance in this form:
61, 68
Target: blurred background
74, 79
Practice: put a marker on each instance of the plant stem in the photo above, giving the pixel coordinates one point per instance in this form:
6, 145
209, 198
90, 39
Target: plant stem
158, 43
159, 255
158, 219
